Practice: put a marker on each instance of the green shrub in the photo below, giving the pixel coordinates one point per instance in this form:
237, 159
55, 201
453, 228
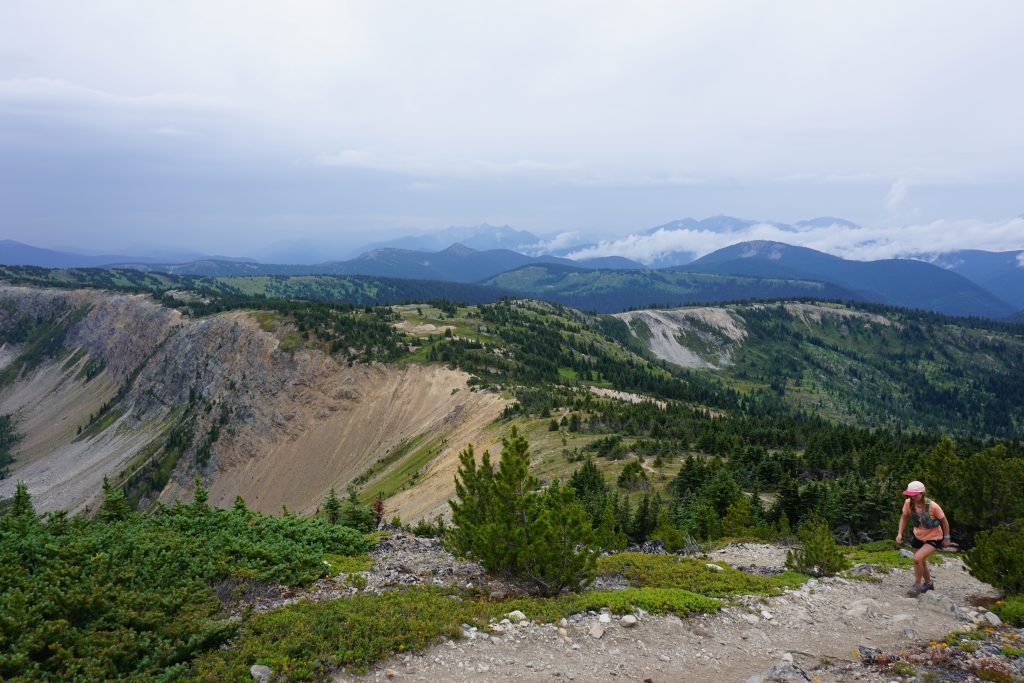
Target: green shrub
670, 571
306, 641
130, 599
346, 564
541, 540
820, 554
1011, 610
998, 558
654, 600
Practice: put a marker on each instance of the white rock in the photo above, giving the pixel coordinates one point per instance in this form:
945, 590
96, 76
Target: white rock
260, 673
766, 614
497, 628
665, 658
750, 618
715, 567
562, 632
629, 621
563, 622
524, 623
992, 619
605, 618
596, 631
575, 646
515, 615
390, 673
787, 657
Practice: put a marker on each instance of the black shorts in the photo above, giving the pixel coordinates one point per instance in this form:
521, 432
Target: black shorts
917, 544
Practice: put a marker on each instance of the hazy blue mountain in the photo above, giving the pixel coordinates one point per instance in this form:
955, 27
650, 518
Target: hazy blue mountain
18, 254
457, 263
824, 222
611, 263
482, 237
14, 253
898, 282
1000, 272
719, 223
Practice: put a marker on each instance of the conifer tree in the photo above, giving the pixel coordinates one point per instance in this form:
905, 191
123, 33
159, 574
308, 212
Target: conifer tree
356, 515
738, 518
201, 495
820, 554
332, 507
114, 506
21, 506
239, 505
542, 540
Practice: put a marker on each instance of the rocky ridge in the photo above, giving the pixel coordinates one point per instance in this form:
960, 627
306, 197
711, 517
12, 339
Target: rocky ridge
133, 372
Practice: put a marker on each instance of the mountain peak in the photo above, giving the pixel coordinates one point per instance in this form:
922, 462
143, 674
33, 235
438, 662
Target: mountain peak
459, 249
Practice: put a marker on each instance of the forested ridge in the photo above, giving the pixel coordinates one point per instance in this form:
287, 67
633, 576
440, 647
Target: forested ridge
823, 419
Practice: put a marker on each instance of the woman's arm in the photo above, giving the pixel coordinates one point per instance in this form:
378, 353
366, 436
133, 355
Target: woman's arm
903, 523
945, 532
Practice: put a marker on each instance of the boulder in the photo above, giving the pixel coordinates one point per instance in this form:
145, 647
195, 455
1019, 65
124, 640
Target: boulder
261, 673
867, 654
992, 619
942, 603
783, 672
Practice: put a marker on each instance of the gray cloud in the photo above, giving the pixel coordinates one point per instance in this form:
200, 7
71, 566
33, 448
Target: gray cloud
596, 117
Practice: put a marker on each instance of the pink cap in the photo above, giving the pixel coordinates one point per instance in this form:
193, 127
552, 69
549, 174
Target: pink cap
914, 487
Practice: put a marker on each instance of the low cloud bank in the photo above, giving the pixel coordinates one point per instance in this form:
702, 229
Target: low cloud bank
857, 243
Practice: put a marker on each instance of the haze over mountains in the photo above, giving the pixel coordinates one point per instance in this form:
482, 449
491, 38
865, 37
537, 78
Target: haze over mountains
964, 282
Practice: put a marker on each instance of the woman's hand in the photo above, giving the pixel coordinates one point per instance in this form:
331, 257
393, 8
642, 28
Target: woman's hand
946, 542
899, 539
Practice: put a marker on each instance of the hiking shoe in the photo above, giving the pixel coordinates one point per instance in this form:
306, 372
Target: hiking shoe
929, 586
916, 590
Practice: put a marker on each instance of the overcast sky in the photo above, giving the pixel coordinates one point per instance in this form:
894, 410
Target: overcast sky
229, 126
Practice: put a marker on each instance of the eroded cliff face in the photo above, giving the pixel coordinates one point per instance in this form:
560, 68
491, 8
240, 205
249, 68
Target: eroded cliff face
213, 396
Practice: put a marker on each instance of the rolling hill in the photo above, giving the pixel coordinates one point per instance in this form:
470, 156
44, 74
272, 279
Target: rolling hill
896, 282
609, 291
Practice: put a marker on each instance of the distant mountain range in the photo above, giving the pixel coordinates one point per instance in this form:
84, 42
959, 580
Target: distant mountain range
481, 237
962, 283
457, 263
14, 253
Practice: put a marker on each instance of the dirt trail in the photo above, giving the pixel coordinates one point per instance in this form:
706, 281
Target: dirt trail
823, 621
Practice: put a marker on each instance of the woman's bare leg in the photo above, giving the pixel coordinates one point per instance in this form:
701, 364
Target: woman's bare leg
921, 573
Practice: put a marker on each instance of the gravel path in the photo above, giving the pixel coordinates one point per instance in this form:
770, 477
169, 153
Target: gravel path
819, 627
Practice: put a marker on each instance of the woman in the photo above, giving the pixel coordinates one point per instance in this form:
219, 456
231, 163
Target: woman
931, 532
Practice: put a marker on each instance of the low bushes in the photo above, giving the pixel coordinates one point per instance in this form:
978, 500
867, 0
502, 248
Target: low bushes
671, 571
85, 600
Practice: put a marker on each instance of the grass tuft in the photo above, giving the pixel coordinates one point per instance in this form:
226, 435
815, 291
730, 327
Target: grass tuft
670, 571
